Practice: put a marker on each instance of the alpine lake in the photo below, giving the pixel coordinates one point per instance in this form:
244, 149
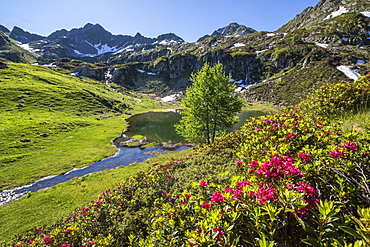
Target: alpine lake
159, 126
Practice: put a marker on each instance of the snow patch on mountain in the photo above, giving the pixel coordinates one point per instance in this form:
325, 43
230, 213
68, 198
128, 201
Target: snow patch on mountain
366, 14
349, 72
237, 45
170, 98
322, 45
342, 10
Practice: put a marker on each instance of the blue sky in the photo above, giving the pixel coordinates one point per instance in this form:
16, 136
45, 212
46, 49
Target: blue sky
189, 19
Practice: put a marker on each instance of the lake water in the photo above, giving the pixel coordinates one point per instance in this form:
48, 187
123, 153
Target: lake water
159, 126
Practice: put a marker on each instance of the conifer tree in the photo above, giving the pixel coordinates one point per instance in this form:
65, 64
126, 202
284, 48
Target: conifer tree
210, 105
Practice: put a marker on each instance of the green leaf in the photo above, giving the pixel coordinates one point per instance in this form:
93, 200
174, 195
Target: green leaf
350, 231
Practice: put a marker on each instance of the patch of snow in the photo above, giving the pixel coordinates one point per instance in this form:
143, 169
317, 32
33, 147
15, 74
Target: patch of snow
170, 97
241, 88
345, 39
259, 52
366, 13
360, 62
349, 72
237, 45
270, 34
342, 10
151, 73
322, 45
140, 70
167, 42
49, 65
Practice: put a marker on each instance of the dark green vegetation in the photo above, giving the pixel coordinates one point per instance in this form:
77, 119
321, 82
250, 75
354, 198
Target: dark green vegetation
52, 122
209, 105
292, 178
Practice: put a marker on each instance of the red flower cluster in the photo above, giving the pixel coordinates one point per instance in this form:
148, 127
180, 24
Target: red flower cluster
266, 194
218, 197
304, 156
278, 167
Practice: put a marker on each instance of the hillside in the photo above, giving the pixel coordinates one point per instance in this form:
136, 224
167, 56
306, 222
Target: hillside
292, 178
47, 118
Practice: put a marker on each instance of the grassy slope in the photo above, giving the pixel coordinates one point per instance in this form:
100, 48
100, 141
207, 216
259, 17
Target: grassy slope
80, 116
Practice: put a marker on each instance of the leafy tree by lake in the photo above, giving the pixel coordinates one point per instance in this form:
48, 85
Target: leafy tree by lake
210, 105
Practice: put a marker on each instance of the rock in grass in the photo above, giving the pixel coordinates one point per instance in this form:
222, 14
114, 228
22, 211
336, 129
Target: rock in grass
25, 140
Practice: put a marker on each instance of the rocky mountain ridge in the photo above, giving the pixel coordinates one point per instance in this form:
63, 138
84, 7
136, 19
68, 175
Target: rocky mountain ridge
325, 43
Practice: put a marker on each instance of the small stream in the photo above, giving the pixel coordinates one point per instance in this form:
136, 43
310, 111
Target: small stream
125, 156
155, 126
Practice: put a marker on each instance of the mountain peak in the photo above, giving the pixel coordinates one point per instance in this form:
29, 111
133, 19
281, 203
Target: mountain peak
231, 30
4, 29
23, 36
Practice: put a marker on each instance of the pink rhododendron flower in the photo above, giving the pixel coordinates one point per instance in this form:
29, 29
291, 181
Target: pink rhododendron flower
187, 196
239, 162
275, 125
277, 167
253, 164
304, 156
258, 129
47, 240
304, 188
289, 186
218, 197
206, 205
268, 121
170, 215
65, 245
336, 154
243, 183
89, 243
203, 183
266, 194
165, 192
290, 135
350, 146
229, 190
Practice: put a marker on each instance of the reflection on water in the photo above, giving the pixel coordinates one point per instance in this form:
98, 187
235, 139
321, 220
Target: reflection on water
159, 126
155, 126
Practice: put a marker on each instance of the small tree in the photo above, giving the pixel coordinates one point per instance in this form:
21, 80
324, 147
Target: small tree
209, 105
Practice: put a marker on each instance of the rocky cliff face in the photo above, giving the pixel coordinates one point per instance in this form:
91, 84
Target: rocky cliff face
325, 43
